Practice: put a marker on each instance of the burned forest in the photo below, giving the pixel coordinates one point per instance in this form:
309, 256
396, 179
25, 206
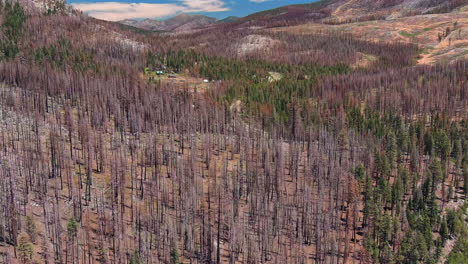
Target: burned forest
237, 143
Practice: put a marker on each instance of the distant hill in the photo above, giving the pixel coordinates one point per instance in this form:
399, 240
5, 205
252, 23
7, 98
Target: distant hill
147, 24
325, 11
421, 22
229, 19
182, 22
347, 11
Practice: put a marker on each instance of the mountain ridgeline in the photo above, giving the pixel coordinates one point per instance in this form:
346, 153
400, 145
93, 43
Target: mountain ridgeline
330, 12
182, 22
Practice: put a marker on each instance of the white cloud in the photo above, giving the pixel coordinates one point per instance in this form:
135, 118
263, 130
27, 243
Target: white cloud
114, 11
205, 5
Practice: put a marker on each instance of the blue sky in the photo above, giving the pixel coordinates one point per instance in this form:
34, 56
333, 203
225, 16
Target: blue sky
115, 10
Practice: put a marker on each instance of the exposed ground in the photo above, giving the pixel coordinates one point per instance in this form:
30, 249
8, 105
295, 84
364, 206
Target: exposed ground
253, 43
182, 81
423, 30
451, 242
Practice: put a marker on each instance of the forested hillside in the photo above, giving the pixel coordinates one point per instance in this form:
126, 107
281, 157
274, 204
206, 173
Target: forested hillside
335, 12
225, 145
182, 22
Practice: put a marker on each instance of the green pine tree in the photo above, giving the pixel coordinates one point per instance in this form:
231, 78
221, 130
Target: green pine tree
25, 248
31, 228
175, 258
72, 227
443, 231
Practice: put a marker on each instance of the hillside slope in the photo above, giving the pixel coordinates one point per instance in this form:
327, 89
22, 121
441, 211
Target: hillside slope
325, 11
345, 11
439, 28
442, 37
179, 23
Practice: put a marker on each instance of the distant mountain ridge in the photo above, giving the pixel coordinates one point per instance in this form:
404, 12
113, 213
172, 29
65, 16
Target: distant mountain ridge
325, 11
182, 22
229, 19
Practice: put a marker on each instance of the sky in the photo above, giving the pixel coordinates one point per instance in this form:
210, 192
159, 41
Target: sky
115, 10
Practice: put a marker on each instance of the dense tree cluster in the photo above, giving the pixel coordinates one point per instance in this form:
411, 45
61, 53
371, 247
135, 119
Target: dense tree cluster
12, 28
